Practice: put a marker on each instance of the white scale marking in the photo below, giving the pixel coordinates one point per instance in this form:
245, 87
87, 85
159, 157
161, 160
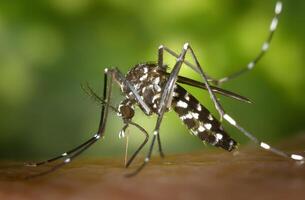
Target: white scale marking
250, 65
97, 136
265, 146
208, 126
187, 97
219, 136
143, 89
156, 80
181, 104
186, 46
195, 115
278, 7
145, 70
67, 160
199, 107
265, 46
64, 154
142, 78
157, 96
210, 117
229, 119
201, 128
187, 116
175, 94
273, 24
297, 157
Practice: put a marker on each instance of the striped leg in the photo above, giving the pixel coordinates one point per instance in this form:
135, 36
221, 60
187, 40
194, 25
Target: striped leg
70, 155
262, 144
64, 155
264, 49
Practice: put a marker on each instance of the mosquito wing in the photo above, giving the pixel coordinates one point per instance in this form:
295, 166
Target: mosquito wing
191, 82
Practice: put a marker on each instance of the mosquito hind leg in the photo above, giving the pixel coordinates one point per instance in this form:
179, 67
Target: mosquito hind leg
264, 49
250, 65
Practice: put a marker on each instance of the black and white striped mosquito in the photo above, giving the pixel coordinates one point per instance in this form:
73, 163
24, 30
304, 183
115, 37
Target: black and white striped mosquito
156, 91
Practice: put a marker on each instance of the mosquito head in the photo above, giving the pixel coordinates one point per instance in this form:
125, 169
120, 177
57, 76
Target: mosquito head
126, 111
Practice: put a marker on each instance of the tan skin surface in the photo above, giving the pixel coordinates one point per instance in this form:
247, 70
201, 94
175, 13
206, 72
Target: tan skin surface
207, 174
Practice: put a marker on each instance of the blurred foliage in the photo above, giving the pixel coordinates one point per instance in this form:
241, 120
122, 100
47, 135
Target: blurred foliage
48, 48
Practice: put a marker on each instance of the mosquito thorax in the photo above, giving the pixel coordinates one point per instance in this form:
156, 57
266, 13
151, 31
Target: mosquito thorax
148, 79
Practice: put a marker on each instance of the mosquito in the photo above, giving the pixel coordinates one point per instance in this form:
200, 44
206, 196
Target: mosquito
156, 91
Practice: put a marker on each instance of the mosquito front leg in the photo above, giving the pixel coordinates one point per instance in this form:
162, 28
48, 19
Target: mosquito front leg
70, 155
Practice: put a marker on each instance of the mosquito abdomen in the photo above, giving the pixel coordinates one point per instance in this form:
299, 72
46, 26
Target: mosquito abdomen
199, 120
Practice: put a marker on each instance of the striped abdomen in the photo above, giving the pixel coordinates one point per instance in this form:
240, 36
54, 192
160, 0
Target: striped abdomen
200, 121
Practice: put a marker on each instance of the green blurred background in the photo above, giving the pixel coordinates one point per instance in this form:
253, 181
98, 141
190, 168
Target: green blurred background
48, 48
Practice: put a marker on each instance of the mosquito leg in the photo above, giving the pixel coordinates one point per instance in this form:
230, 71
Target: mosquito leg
264, 48
141, 146
78, 150
66, 161
251, 65
160, 146
30, 164
262, 144
160, 64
